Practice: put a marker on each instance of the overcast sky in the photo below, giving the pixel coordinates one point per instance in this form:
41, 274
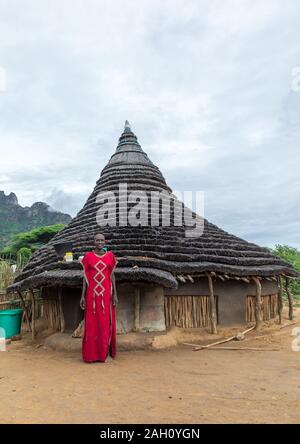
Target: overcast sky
206, 86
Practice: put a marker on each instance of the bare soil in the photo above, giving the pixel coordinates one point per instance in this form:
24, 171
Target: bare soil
173, 385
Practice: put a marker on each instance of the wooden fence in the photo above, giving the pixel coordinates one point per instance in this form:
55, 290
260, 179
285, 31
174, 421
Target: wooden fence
188, 311
269, 307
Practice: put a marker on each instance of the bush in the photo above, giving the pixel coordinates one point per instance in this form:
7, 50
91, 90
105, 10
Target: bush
33, 239
291, 255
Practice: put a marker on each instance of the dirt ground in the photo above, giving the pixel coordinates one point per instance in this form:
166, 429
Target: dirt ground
174, 385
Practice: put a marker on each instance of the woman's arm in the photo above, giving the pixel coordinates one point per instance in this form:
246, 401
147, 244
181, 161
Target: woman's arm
85, 264
114, 289
82, 300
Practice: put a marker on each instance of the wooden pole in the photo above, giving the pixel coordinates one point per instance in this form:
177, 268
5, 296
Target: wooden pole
33, 332
245, 348
280, 305
137, 303
290, 298
212, 306
25, 309
258, 316
61, 312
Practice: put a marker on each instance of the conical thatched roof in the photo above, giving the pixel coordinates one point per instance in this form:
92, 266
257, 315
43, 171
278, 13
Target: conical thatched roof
147, 253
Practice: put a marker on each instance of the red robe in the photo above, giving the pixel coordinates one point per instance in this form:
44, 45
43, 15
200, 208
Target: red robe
100, 313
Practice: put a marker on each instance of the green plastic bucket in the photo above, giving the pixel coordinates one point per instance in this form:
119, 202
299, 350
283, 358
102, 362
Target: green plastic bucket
10, 322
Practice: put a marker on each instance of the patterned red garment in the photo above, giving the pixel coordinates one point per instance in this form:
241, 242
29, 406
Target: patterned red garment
100, 313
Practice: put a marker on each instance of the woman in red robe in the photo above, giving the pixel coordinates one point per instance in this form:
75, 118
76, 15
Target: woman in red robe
99, 300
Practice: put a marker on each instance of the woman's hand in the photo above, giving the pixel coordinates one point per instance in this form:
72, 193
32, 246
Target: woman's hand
82, 300
82, 303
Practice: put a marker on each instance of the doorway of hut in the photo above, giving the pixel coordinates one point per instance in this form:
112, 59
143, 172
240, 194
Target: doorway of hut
62, 311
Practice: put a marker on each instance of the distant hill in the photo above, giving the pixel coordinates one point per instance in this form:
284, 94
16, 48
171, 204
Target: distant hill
14, 218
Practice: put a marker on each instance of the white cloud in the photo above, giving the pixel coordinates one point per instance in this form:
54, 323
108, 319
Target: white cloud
205, 84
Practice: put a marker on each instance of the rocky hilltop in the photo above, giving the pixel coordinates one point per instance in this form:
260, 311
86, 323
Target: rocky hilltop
14, 218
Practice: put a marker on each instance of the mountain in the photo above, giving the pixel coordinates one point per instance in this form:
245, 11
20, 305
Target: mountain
14, 218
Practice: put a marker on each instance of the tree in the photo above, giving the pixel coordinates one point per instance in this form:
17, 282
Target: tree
23, 256
291, 255
33, 239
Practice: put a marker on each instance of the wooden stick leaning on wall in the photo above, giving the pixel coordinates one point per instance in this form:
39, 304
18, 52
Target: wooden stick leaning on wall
33, 332
258, 314
212, 308
25, 309
290, 298
61, 312
280, 304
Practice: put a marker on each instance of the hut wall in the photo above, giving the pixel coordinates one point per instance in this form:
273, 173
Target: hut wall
231, 303
231, 296
151, 308
125, 308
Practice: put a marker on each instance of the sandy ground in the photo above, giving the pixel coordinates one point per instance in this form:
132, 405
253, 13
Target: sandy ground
39, 385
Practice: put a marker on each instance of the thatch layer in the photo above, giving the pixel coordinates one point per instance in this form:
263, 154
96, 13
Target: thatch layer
159, 251
73, 278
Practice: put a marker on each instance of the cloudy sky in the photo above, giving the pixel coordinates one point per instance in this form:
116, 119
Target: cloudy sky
208, 87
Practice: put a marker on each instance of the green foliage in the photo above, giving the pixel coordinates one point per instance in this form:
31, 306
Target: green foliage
16, 219
33, 239
291, 255
23, 256
18, 252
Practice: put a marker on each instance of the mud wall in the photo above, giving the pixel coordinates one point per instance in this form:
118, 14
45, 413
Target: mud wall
231, 297
151, 312
231, 303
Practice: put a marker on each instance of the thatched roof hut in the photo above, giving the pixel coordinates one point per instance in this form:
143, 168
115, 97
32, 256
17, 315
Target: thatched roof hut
160, 256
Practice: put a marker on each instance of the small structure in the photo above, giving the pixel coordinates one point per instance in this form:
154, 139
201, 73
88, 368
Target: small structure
164, 278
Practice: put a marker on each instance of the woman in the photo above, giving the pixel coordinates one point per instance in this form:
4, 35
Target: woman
99, 299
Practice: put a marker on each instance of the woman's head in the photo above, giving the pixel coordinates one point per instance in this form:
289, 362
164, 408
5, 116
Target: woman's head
99, 240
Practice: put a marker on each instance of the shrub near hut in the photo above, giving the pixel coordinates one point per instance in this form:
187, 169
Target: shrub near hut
291, 255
